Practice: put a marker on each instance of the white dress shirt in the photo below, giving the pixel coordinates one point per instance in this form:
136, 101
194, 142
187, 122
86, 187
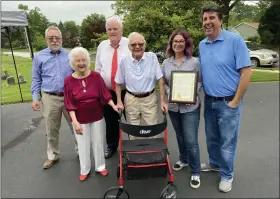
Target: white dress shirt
104, 56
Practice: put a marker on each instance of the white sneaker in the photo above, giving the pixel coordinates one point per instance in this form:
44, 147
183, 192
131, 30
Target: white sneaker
225, 185
195, 182
179, 165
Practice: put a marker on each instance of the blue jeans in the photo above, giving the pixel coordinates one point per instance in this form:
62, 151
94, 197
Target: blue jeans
186, 128
222, 129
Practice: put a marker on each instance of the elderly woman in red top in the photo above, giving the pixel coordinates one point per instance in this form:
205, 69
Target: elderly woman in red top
85, 94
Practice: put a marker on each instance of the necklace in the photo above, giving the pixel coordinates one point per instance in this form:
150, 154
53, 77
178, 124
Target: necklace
83, 84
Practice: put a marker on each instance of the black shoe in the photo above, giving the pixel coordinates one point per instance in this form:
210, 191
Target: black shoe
109, 153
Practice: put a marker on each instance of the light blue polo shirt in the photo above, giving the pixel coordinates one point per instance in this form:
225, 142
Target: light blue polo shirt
139, 76
220, 62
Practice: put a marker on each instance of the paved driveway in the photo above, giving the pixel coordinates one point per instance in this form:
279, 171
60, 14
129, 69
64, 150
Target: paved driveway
24, 151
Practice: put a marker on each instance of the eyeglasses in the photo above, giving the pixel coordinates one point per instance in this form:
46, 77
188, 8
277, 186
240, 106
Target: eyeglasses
54, 38
133, 45
177, 42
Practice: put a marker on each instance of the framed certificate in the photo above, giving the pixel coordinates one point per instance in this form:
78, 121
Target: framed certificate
183, 87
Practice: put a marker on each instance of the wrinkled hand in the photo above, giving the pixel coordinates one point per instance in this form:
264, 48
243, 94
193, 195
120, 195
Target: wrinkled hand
164, 107
120, 106
78, 128
115, 108
233, 104
36, 105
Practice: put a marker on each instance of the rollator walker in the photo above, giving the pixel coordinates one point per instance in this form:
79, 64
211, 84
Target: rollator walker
143, 158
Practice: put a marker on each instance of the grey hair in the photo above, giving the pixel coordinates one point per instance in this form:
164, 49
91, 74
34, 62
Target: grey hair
113, 18
52, 28
78, 51
134, 34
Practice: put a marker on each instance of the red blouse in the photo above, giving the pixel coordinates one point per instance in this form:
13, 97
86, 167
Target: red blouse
88, 105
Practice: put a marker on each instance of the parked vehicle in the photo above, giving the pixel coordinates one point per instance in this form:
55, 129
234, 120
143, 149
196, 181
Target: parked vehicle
260, 56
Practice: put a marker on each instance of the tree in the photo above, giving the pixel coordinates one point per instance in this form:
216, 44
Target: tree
157, 19
37, 22
263, 5
23, 7
70, 34
226, 7
269, 26
93, 24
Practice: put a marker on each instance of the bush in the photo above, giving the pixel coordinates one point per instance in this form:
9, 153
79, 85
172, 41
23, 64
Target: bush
255, 39
39, 43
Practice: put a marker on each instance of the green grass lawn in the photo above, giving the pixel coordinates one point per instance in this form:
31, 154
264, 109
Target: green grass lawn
264, 77
11, 94
266, 68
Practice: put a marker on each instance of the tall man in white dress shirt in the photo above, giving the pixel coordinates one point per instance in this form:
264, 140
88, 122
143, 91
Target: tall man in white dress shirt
108, 57
139, 73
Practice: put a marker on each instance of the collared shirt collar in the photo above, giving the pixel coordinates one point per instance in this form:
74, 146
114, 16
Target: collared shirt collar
172, 59
120, 43
221, 37
135, 61
58, 52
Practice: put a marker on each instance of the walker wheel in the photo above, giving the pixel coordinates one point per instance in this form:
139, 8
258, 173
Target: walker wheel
116, 192
169, 191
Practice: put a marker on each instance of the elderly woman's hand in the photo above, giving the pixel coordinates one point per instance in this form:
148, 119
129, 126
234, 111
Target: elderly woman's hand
115, 108
112, 104
78, 128
120, 106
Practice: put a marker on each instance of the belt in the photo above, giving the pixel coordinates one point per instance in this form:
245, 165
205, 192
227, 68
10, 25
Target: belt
60, 94
227, 98
142, 94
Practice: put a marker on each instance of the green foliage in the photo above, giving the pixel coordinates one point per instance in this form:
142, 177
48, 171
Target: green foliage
91, 25
98, 37
157, 19
255, 39
269, 27
70, 34
39, 43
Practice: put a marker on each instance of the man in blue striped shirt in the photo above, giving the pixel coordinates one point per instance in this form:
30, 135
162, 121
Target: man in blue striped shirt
50, 67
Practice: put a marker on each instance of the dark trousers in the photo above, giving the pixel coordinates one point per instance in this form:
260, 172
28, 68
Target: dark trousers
112, 123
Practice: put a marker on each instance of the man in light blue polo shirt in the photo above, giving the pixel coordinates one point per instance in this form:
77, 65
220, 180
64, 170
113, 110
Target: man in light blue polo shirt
139, 73
226, 72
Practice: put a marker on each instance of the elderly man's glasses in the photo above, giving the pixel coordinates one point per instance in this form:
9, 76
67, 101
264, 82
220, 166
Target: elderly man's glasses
133, 45
54, 38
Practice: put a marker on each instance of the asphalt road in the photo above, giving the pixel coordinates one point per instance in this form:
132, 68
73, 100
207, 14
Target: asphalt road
256, 169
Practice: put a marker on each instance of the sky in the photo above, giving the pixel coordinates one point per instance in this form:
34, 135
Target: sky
64, 10
67, 10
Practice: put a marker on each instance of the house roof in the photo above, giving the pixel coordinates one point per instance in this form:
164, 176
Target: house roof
252, 24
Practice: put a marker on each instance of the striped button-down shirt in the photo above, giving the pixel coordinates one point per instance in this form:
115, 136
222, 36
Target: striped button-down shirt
139, 76
191, 64
49, 71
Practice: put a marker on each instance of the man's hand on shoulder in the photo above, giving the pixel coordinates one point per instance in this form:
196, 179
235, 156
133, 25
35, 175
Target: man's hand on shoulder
36, 105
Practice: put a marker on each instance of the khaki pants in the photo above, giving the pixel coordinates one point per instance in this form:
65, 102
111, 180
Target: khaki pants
141, 109
53, 108
93, 137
